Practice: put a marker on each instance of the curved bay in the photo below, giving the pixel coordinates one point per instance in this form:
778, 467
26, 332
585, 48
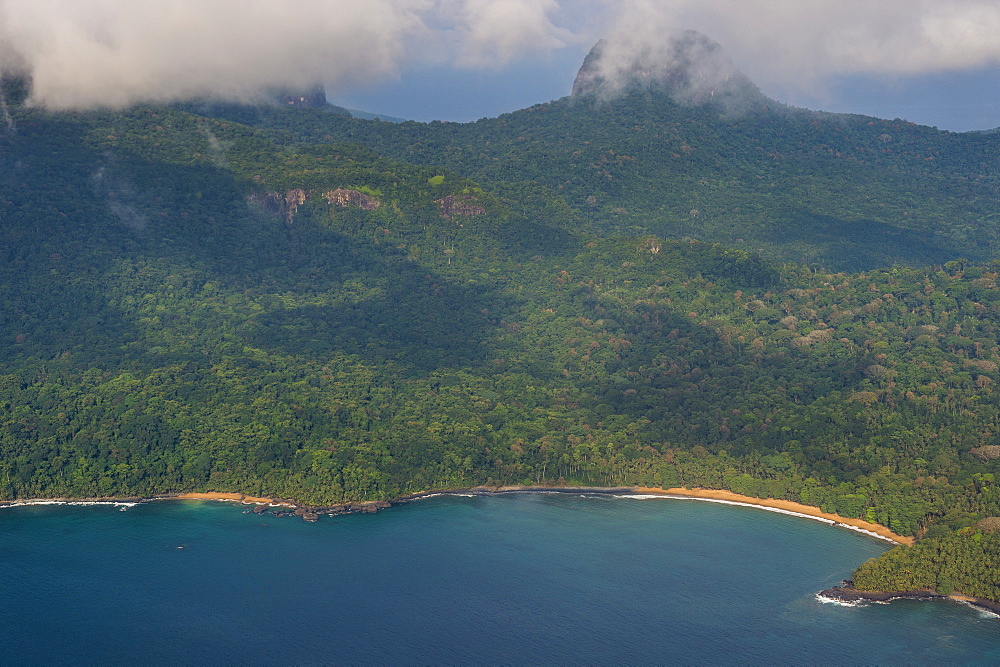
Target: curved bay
518, 578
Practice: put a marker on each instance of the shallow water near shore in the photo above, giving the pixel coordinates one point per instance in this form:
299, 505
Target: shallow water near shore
537, 578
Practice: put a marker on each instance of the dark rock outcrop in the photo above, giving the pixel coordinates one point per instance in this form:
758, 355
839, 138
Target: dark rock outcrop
688, 67
463, 205
287, 205
345, 198
312, 98
846, 593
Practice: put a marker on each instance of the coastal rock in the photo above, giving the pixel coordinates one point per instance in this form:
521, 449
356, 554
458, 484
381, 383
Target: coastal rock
310, 516
847, 593
259, 509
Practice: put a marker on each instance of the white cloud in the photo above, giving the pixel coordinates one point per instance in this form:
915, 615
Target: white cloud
496, 32
791, 43
117, 52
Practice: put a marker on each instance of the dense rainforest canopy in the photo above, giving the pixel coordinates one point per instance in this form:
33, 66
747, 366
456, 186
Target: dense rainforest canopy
296, 303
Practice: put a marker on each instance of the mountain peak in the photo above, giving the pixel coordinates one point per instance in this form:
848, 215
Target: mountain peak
687, 66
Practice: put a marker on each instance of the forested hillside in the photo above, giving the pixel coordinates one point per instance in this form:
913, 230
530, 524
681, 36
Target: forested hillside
309, 306
844, 192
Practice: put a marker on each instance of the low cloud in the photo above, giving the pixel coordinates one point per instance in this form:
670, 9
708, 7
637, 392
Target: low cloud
110, 53
495, 32
113, 53
87, 53
792, 45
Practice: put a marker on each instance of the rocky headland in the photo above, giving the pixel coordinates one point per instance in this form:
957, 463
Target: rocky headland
845, 593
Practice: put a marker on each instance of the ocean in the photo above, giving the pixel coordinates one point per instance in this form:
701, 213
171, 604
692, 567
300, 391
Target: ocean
521, 578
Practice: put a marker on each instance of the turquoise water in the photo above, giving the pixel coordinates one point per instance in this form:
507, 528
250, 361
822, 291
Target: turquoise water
527, 578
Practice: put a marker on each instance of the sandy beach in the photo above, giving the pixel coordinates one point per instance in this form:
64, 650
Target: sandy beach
807, 511
784, 505
237, 497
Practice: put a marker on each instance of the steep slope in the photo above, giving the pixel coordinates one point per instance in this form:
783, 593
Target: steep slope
690, 149
189, 303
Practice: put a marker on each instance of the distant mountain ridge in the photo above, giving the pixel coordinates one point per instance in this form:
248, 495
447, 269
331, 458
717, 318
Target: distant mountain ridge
368, 115
687, 150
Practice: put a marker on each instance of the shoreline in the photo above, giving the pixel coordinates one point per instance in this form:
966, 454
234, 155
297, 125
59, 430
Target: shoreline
131, 501
229, 497
845, 594
710, 495
781, 506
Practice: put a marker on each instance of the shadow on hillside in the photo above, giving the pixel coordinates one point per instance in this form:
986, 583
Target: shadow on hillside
847, 245
82, 215
366, 299
56, 243
420, 322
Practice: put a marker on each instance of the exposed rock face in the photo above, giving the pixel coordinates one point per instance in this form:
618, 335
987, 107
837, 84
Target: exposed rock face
313, 98
460, 205
293, 199
344, 198
272, 202
987, 452
688, 67
287, 205
14, 88
990, 523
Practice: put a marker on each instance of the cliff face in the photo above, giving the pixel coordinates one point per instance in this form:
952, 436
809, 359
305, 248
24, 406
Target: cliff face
344, 198
313, 98
460, 205
688, 67
287, 205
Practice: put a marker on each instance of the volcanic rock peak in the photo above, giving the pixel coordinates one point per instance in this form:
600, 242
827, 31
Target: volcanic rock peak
688, 66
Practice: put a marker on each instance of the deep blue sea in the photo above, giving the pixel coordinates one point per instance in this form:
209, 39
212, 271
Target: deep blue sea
525, 578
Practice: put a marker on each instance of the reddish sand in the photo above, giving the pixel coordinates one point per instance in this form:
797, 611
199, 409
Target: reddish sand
711, 494
256, 500
786, 505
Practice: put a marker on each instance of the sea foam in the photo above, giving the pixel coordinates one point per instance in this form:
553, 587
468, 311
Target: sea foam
840, 603
122, 505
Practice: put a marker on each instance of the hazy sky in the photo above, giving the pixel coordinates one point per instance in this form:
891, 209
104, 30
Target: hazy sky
935, 62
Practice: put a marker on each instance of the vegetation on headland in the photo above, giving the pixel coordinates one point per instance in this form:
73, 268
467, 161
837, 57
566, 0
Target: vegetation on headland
193, 304
962, 561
